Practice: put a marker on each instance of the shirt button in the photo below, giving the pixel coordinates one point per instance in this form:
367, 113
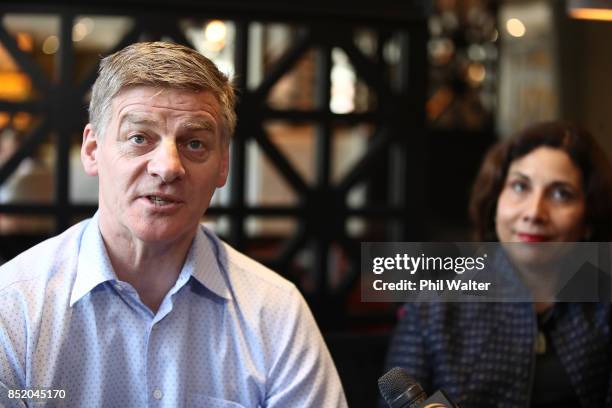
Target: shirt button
157, 394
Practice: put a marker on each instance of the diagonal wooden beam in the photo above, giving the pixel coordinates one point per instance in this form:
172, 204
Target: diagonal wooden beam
23, 60
280, 162
292, 246
130, 37
376, 151
365, 68
283, 65
31, 142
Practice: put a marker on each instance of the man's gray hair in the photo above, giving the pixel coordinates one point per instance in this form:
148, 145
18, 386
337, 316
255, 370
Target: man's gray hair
162, 65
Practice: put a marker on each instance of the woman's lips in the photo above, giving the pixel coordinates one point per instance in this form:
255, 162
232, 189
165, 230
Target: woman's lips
524, 237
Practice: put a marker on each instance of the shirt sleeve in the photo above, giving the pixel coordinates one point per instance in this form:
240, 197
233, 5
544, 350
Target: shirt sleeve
12, 352
303, 373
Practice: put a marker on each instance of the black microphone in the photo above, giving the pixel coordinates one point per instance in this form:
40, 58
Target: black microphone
402, 391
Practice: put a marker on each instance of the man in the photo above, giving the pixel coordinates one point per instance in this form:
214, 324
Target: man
141, 305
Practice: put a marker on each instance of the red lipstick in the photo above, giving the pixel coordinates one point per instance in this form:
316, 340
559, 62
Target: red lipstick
531, 237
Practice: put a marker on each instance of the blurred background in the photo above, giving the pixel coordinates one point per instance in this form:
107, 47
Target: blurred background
357, 122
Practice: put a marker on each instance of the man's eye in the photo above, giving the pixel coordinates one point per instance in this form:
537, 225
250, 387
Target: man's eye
195, 145
137, 139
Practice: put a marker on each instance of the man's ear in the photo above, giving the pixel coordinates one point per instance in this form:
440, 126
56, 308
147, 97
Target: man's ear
89, 151
223, 167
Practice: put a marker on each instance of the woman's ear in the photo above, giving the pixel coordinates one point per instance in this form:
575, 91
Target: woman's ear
89, 150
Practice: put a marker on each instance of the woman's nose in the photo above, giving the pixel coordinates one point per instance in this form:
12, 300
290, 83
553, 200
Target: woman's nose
536, 208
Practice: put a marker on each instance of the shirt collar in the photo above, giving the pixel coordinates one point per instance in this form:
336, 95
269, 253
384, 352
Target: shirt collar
203, 262
93, 266
207, 263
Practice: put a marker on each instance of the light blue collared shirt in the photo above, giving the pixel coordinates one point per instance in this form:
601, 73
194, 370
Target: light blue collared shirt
230, 332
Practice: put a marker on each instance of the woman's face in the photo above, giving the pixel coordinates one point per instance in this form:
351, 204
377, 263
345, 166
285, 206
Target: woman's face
542, 199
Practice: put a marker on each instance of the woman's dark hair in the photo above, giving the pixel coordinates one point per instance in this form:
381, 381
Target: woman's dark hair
579, 146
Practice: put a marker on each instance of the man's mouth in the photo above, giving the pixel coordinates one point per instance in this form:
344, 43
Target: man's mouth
161, 201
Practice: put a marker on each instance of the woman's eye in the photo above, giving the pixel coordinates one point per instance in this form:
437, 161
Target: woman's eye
560, 194
137, 139
518, 186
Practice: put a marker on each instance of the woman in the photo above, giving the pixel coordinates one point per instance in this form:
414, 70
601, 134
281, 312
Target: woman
549, 183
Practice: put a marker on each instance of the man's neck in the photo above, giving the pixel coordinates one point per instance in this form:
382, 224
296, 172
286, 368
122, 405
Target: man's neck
151, 268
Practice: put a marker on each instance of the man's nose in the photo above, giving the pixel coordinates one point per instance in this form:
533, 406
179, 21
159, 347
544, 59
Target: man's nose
166, 162
536, 208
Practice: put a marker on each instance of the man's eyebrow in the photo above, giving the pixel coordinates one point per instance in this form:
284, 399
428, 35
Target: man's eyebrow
135, 119
199, 124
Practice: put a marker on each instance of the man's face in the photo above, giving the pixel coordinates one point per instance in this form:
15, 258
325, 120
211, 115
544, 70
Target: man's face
159, 162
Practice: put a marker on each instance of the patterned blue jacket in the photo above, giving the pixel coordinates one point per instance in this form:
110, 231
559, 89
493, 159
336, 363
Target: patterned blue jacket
483, 355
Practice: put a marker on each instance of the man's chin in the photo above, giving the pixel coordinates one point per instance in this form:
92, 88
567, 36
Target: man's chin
167, 232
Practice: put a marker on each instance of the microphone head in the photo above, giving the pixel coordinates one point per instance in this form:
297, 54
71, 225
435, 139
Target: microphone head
399, 389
